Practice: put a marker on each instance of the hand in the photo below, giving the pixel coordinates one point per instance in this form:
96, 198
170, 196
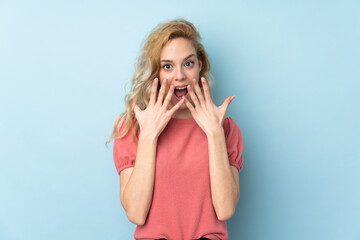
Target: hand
208, 116
156, 116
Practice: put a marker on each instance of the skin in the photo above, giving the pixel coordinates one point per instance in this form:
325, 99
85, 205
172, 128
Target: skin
180, 66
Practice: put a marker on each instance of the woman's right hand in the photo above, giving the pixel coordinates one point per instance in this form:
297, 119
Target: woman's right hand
156, 116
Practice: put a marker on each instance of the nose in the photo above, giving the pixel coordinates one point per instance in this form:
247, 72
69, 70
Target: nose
179, 75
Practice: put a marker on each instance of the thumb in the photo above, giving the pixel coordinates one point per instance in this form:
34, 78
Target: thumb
136, 110
227, 102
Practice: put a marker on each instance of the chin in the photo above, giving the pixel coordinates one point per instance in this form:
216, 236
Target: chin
183, 106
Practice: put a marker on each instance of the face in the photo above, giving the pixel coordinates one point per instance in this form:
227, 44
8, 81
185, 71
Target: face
179, 65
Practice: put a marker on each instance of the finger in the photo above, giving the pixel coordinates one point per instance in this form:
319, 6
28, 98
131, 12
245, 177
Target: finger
176, 107
227, 102
190, 106
137, 110
161, 93
198, 92
153, 91
206, 90
169, 95
193, 96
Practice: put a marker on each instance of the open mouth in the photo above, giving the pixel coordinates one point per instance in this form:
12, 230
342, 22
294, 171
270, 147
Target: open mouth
180, 92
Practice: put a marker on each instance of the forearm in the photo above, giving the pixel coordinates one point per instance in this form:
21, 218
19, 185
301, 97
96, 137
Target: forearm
224, 191
138, 192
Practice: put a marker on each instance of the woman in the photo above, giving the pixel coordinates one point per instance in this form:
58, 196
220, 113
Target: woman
179, 165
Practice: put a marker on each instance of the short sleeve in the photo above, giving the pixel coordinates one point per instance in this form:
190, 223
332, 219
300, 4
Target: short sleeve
234, 143
124, 151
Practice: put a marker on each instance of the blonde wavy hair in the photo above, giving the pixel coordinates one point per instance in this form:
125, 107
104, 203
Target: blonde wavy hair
148, 67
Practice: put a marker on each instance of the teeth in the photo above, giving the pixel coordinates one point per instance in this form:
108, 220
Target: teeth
181, 88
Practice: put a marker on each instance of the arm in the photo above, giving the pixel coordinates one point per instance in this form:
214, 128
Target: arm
137, 194
225, 191
224, 179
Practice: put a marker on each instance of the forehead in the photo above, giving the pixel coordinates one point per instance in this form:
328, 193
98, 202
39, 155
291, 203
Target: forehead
178, 48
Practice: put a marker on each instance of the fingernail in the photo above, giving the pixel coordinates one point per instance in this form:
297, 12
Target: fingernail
188, 86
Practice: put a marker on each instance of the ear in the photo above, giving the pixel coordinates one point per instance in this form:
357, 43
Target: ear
200, 65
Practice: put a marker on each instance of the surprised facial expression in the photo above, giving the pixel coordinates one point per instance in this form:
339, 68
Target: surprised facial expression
179, 64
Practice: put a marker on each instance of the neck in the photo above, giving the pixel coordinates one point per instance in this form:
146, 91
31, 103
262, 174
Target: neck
182, 114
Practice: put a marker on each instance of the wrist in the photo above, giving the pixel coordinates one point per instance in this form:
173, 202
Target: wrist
216, 131
148, 136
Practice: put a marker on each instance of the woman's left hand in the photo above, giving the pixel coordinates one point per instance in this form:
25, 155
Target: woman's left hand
208, 116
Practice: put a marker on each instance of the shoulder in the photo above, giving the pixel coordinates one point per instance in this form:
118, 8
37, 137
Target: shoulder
125, 133
231, 129
230, 124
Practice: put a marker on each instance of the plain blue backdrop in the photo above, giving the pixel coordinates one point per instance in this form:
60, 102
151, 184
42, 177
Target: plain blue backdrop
292, 65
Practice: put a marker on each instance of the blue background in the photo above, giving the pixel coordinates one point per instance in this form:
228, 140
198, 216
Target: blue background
292, 65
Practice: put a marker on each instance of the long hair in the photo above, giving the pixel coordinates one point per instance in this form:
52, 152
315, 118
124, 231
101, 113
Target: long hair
148, 67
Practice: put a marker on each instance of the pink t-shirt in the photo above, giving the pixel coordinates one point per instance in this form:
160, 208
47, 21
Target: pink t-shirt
181, 207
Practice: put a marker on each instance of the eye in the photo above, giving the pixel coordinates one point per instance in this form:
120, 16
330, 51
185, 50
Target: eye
189, 63
166, 66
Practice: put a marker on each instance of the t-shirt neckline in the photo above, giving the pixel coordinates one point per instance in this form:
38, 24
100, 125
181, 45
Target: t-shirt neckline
182, 120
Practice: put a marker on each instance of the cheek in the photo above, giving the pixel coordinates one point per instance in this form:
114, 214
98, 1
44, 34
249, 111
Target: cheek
194, 74
161, 72
163, 76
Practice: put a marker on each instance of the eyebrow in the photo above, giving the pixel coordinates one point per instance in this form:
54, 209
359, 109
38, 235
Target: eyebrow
191, 55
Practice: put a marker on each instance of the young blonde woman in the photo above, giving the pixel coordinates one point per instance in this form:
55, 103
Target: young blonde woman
177, 154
